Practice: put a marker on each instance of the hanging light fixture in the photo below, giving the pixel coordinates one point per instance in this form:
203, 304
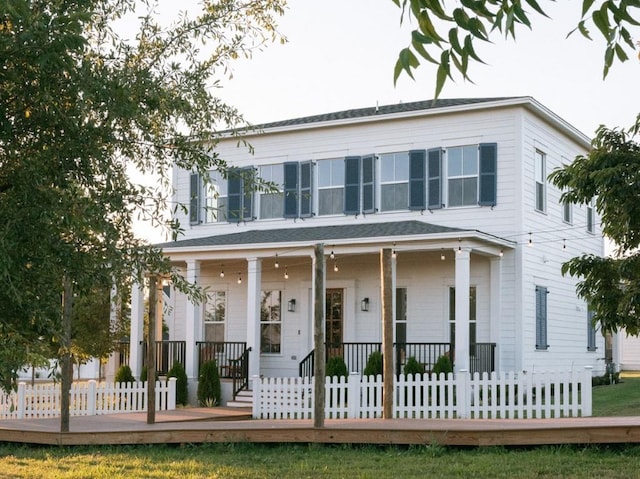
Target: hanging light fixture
332, 256
459, 246
286, 273
239, 278
564, 244
393, 252
277, 264
530, 244
222, 271
335, 266
442, 256
501, 253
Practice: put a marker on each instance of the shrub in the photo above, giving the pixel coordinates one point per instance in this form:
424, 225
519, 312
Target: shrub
443, 365
144, 374
374, 364
209, 393
413, 367
336, 367
182, 386
124, 375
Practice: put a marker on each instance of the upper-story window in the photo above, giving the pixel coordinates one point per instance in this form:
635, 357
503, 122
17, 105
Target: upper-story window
330, 186
462, 176
272, 202
590, 217
394, 181
541, 180
567, 213
215, 198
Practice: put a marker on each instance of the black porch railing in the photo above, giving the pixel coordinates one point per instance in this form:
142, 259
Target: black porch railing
355, 355
227, 356
167, 353
122, 353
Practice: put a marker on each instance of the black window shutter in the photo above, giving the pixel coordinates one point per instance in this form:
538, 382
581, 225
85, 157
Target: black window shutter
306, 182
234, 195
247, 178
417, 185
541, 317
368, 184
488, 174
434, 174
194, 198
291, 190
352, 185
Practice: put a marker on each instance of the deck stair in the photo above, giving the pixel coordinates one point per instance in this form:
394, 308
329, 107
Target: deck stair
244, 399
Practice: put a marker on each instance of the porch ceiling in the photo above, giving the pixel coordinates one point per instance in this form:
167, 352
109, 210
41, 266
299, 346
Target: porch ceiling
360, 233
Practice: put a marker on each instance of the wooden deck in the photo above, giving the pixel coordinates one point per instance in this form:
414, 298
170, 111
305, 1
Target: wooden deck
200, 425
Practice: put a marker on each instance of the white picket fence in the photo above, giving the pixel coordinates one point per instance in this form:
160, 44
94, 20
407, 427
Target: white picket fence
496, 396
85, 399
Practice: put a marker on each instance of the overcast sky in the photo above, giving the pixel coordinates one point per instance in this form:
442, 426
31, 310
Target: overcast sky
341, 55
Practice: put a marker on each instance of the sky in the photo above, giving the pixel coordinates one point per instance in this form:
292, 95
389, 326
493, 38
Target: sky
341, 55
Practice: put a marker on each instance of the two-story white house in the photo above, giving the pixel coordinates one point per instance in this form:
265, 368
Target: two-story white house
456, 188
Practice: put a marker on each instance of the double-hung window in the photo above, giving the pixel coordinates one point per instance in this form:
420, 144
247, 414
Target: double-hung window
590, 217
215, 312
215, 198
272, 202
331, 187
394, 181
540, 180
270, 321
462, 176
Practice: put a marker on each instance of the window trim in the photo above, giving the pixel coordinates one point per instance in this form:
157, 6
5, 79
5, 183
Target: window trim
271, 322
204, 313
447, 178
542, 182
394, 182
590, 217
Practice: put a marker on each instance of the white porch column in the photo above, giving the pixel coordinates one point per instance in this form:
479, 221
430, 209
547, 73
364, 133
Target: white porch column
136, 335
462, 281
254, 281
495, 306
193, 325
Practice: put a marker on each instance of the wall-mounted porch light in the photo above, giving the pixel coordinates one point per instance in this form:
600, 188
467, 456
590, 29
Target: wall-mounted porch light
291, 305
364, 304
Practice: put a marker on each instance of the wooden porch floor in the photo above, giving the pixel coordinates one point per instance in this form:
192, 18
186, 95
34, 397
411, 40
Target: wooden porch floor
199, 425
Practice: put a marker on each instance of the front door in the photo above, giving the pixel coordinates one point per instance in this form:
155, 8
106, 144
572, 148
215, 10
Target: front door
333, 321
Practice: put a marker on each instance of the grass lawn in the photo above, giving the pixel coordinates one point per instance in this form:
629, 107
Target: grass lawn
317, 461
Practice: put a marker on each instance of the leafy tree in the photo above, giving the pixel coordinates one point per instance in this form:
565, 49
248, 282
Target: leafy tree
87, 116
610, 173
447, 34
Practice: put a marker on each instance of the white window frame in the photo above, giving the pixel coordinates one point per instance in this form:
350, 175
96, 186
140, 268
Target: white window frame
213, 298
540, 181
271, 317
266, 173
590, 217
214, 193
463, 176
395, 157
334, 163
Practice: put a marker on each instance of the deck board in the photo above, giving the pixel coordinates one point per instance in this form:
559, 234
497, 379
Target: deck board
203, 425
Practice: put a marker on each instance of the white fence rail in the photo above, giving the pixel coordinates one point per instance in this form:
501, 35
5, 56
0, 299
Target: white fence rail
85, 399
495, 396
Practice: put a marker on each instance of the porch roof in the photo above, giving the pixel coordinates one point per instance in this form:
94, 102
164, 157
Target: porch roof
314, 234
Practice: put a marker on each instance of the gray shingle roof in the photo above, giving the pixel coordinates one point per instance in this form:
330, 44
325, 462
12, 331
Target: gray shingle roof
313, 234
381, 110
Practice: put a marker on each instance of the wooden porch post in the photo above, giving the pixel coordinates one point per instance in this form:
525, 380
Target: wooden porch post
387, 331
151, 351
319, 367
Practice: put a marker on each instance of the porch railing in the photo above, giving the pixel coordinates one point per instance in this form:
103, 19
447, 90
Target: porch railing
227, 355
355, 355
122, 353
167, 353
241, 368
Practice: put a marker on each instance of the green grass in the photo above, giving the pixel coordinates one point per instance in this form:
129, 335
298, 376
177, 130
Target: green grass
248, 461
622, 399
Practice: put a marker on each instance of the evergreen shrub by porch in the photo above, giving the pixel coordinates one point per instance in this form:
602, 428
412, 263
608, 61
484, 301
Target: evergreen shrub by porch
144, 373
413, 367
182, 386
374, 364
209, 392
124, 375
336, 367
443, 365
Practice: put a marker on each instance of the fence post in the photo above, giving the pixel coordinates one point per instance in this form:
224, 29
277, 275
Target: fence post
91, 398
462, 383
353, 395
587, 391
171, 394
21, 399
256, 396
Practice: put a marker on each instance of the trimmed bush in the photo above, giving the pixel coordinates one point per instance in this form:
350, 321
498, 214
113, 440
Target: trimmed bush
336, 367
443, 365
182, 383
413, 367
374, 364
144, 374
209, 393
124, 375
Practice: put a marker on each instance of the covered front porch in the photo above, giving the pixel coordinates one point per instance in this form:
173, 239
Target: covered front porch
448, 286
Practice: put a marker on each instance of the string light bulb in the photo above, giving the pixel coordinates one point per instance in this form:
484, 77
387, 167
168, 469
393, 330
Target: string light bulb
335, 266
459, 246
239, 278
277, 264
501, 252
442, 256
393, 252
530, 244
286, 273
222, 271
332, 256
564, 244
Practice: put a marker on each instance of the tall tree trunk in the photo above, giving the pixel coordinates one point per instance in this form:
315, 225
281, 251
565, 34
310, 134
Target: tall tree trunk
319, 367
65, 360
387, 332
151, 352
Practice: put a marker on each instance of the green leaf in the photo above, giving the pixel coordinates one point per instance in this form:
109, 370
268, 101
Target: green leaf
534, 4
620, 53
521, 15
461, 18
601, 21
428, 29
476, 27
453, 40
419, 48
468, 47
406, 60
436, 8
586, 6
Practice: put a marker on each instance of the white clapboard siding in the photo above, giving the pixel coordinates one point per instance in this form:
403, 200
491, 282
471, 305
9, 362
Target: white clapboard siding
85, 399
495, 396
